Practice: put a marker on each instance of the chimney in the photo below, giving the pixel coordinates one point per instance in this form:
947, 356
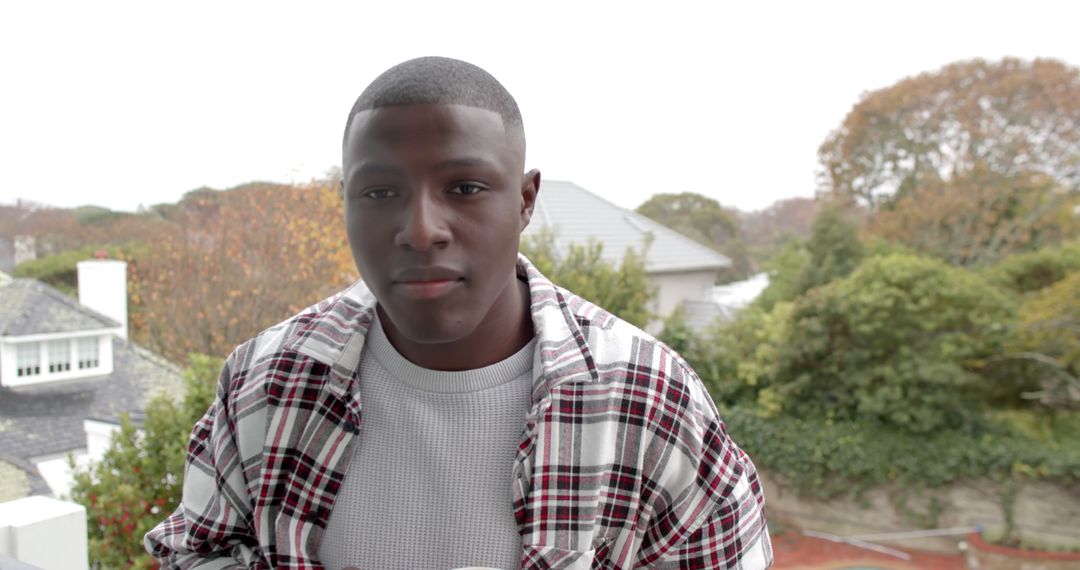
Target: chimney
103, 288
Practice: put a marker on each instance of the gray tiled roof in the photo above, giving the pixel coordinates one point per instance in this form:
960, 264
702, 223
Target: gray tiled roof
576, 214
32, 307
46, 419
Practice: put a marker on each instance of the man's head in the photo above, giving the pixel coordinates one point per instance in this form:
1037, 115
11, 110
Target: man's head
436, 198
440, 80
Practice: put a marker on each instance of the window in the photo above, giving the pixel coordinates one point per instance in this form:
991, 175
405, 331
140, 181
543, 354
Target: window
28, 359
59, 356
88, 352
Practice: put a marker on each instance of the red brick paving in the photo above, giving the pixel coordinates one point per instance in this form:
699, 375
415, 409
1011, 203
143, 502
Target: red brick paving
794, 551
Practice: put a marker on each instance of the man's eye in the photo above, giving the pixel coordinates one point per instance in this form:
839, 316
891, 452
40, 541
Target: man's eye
378, 193
466, 189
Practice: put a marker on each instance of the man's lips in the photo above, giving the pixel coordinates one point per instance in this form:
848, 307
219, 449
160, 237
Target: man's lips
427, 282
427, 289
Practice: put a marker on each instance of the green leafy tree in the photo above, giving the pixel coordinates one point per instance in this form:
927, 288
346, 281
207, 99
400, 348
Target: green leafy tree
735, 359
139, 480
703, 220
624, 289
1035, 270
1048, 341
903, 340
834, 250
60, 270
784, 269
693, 215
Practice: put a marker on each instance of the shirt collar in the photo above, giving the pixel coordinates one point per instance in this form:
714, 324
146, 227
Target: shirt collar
336, 332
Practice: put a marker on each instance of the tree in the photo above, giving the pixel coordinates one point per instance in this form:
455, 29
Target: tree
139, 480
767, 231
1029, 272
703, 220
1012, 118
903, 340
693, 215
624, 290
784, 269
61, 270
834, 250
979, 216
236, 262
1048, 341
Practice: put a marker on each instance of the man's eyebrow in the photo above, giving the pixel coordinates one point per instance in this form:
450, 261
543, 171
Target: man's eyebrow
376, 168
465, 162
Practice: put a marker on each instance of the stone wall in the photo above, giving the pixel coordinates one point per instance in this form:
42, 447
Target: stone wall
1041, 508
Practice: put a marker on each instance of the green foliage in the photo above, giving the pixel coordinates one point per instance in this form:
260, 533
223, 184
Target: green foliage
95, 215
60, 271
1048, 342
1031, 271
693, 215
703, 220
784, 269
737, 361
139, 480
827, 458
901, 340
624, 290
834, 250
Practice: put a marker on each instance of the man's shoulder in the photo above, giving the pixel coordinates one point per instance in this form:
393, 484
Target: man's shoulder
625, 354
322, 323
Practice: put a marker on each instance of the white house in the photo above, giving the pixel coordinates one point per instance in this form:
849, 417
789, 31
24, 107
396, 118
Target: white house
67, 373
681, 269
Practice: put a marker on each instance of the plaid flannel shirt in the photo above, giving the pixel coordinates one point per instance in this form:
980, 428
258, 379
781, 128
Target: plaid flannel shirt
623, 461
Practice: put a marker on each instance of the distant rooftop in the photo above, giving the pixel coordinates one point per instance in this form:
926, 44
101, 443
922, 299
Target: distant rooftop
40, 420
575, 215
30, 307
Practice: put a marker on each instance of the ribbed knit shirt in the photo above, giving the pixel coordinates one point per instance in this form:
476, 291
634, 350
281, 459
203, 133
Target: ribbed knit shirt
429, 482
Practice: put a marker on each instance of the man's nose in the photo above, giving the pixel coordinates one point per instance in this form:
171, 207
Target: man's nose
424, 225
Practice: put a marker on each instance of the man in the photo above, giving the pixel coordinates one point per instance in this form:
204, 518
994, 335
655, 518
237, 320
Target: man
457, 409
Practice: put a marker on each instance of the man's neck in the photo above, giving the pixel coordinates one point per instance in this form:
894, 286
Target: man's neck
503, 331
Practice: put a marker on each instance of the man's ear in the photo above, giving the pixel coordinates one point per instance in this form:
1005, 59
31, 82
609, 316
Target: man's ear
530, 187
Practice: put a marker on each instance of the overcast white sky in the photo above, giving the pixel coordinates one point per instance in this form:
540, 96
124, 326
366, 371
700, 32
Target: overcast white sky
122, 104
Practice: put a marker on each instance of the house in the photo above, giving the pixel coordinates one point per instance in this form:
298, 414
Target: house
67, 374
680, 268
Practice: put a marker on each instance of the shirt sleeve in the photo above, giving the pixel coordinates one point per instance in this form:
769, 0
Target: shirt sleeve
733, 535
212, 526
711, 513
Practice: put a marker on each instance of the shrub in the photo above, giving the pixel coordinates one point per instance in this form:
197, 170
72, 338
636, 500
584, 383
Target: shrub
60, 270
1032, 271
625, 289
824, 458
902, 340
736, 360
138, 482
1048, 342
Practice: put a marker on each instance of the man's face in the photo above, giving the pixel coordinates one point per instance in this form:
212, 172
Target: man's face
435, 202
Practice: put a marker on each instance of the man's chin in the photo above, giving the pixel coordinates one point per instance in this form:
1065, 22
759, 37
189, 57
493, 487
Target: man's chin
443, 329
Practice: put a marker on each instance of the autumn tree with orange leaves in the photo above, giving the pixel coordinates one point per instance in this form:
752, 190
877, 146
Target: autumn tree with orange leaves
236, 262
969, 163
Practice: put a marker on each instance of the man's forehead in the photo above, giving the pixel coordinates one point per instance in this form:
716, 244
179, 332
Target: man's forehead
426, 116
383, 128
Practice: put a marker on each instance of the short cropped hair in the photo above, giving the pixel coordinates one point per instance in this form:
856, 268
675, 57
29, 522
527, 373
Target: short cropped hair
440, 81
